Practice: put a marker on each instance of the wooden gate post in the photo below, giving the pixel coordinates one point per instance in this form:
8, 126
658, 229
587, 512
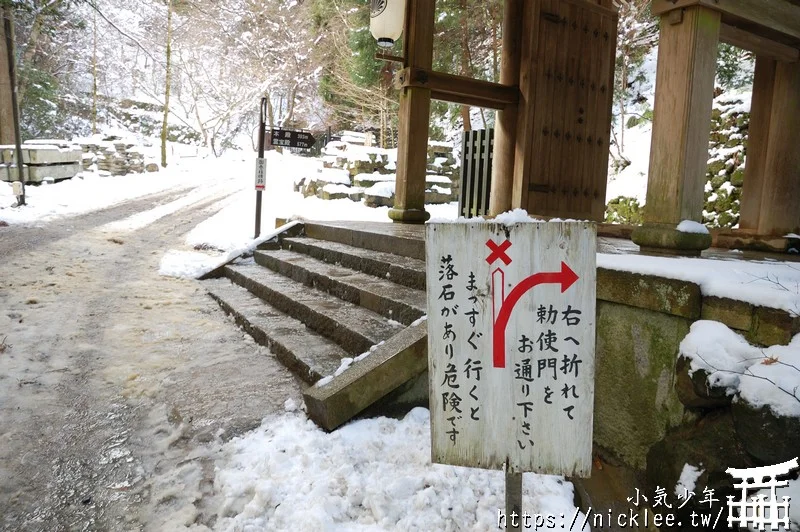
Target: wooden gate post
686, 69
779, 212
415, 106
757, 140
772, 174
505, 137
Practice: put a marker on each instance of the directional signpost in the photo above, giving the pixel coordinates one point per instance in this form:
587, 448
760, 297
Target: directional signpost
511, 330
289, 138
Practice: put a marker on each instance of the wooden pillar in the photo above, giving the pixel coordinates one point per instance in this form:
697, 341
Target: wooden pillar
523, 152
780, 194
415, 107
505, 133
685, 74
757, 141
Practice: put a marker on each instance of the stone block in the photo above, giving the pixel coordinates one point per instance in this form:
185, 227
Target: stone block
772, 327
679, 298
399, 360
735, 314
635, 400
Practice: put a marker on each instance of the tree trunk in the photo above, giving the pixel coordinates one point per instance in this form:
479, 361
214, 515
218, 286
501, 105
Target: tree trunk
94, 78
6, 101
622, 98
167, 84
30, 51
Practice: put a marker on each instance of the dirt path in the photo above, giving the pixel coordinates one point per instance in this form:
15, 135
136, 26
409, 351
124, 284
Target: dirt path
118, 385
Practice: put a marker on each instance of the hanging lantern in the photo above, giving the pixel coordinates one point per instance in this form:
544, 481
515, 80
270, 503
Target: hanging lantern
386, 19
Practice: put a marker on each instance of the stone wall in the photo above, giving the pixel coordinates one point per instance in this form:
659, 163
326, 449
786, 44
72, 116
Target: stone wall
725, 174
368, 174
651, 415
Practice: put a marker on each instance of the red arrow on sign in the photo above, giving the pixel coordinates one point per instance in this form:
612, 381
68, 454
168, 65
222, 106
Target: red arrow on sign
566, 278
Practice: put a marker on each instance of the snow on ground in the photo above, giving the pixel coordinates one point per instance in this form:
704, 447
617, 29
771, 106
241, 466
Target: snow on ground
632, 180
233, 226
687, 481
90, 191
761, 377
370, 475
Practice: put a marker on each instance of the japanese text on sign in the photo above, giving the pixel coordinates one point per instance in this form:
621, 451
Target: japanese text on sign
261, 173
511, 312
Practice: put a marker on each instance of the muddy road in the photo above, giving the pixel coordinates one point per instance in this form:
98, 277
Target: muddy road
117, 385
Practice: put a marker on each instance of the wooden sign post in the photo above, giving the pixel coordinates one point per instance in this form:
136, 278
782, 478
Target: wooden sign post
511, 331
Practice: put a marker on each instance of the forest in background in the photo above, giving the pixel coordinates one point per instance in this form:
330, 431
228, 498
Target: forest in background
195, 70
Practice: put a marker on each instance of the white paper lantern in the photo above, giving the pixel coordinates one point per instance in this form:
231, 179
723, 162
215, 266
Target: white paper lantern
386, 20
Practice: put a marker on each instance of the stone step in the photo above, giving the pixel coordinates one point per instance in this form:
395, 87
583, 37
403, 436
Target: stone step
402, 270
397, 243
307, 354
381, 296
354, 328
394, 372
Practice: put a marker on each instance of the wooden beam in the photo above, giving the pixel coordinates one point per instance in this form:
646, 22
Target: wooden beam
761, 46
778, 16
470, 101
461, 89
380, 56
505, 131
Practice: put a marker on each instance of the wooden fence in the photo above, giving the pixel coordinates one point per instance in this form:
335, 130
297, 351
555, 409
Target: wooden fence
477, 148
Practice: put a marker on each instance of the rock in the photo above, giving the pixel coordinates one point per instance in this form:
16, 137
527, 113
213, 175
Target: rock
715, 168
438, 197
378, 201
694, 391
151, 167
727, 219
711, 446
724, 201
324, 194
768, 438
718, 180
737, 179
3, 223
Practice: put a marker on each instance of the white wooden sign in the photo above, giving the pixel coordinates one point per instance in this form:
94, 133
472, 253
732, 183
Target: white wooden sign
261, 173
511, 331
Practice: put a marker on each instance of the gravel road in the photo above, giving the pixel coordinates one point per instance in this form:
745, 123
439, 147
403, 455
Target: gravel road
117, 385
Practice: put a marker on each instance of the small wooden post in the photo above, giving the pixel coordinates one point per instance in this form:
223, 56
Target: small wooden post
415, 106
686, 69
505, 135
513, 500
757, 141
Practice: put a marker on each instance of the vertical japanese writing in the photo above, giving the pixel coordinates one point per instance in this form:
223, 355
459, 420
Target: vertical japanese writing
547, 365
450, 386
473, 366
510, 334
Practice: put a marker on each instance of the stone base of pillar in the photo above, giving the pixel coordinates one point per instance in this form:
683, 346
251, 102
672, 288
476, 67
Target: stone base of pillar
665, 239
409, 216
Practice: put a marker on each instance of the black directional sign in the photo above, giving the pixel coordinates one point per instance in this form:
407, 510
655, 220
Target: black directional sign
292, 139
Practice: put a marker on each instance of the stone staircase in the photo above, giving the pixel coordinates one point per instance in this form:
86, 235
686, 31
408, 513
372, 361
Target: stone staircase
321, 293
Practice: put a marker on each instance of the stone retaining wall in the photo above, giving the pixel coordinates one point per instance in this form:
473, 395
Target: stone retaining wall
650, 414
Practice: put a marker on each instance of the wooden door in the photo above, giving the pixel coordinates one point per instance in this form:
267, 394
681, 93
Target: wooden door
572, 84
